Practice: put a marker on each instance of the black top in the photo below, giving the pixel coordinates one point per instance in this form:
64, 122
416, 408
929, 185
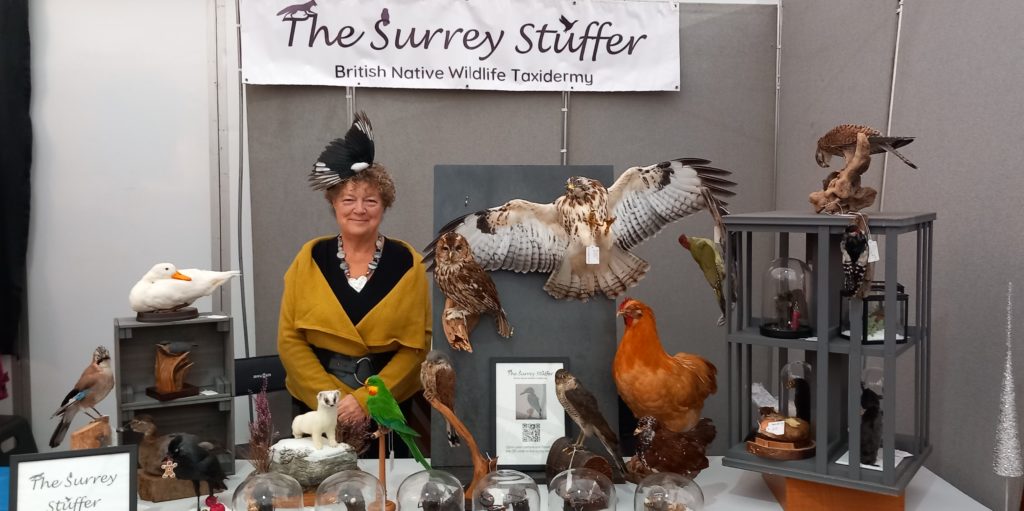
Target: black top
395, 260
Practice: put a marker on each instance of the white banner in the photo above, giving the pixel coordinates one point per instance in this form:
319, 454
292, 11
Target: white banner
520, 45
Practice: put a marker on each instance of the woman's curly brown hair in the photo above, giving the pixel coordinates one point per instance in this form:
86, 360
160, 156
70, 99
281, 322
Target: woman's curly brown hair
376, 176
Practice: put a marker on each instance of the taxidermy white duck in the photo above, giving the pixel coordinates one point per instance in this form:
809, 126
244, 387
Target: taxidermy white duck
165, 288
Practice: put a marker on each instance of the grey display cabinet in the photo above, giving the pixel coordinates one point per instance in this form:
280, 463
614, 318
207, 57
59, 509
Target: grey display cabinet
209, 414
837, 362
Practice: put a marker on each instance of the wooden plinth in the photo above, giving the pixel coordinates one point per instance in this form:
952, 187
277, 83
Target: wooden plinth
800, 495
187, 390
158, 489
94, 435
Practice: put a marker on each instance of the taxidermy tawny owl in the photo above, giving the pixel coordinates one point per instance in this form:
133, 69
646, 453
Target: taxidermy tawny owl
584, 237
842, 141
465, 283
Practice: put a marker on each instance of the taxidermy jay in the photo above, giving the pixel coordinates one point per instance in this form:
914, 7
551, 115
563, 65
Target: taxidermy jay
95, 383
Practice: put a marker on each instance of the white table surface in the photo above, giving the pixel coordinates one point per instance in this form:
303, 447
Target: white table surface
725, 488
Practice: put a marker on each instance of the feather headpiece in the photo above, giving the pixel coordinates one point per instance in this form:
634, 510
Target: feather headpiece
345, 157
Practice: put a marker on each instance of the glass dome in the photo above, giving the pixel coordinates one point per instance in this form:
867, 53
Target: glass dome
666, 491
580, 489
505, 489
432, 490
350, 490
267, 492
873, 314
796, 394
786, 294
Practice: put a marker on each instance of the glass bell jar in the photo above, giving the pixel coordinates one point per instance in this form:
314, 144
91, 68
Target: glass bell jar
506, 489
270, 491
667, 491
350, 490
873, 314
432, 490
786, 295
796, 394
581, 489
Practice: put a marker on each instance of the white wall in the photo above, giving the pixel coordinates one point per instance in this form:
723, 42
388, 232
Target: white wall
121, 176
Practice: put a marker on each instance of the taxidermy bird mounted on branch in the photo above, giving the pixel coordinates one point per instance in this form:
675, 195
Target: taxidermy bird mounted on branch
583, 238
468, 290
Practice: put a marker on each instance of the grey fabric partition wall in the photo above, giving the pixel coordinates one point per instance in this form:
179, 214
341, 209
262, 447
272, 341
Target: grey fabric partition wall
724, 112
958, 82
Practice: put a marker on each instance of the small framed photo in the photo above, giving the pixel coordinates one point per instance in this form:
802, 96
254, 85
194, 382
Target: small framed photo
527, 415
76, 480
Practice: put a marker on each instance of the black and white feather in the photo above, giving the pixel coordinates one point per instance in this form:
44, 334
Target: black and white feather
854, 247
524, 236
345, 157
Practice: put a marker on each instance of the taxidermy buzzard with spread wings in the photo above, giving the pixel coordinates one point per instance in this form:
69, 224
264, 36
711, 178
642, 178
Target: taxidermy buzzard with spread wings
583, 238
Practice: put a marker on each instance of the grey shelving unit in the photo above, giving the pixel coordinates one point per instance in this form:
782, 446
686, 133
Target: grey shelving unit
210, 414
837, 362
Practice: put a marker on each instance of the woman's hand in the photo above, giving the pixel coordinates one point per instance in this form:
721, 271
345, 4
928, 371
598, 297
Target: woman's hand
349, 411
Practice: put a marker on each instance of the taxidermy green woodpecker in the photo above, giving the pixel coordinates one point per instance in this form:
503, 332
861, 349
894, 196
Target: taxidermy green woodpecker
384, 410
706, 253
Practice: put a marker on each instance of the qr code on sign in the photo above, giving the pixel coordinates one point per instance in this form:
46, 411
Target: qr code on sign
531, 432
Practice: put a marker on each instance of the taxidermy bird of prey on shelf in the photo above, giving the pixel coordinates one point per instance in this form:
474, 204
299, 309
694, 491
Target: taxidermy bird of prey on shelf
95, 383
583, 238
842, 141
581, 405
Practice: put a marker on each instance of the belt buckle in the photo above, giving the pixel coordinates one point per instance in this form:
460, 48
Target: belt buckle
355, 372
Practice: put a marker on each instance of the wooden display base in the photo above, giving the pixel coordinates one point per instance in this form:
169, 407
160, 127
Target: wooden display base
797, 494
94, 435
776, 450
165, 316
187, 390
561, 453
158, 489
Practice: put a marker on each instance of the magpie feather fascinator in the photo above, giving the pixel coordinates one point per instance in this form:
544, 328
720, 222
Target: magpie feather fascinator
345, 157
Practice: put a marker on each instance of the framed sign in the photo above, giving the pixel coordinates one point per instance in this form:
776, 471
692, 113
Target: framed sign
89, 479
527, 415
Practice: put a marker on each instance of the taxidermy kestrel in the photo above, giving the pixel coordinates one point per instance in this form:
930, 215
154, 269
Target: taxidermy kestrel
438, 378
465, 283
583, 238
842, 141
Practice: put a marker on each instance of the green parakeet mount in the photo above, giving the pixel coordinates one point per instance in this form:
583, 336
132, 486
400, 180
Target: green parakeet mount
384, 411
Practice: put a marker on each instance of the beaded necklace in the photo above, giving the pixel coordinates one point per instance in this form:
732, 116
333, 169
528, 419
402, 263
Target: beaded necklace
373, 262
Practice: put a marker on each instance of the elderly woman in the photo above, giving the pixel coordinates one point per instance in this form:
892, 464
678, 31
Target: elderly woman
355, 304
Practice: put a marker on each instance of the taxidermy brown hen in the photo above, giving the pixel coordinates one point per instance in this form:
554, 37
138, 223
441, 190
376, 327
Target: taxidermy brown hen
670, 388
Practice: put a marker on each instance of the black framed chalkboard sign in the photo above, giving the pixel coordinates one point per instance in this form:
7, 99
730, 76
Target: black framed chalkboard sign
104, 478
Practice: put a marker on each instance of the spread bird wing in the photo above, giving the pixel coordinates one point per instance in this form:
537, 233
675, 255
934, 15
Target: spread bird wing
645, 199
519, 235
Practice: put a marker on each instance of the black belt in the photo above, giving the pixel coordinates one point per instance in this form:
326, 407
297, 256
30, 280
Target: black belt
353, 371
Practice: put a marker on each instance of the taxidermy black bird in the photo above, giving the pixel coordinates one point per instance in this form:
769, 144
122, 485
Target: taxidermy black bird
801, 397
842, 141
854, 246
92, 386
581, 405
197, 462
870, 426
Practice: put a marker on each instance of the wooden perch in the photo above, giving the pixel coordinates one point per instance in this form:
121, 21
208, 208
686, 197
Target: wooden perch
481, 465
170, 370
561, 458
458, 327
94, 435
842, 192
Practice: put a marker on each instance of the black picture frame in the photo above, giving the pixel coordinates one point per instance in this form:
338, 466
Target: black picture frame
133, 463
493, 389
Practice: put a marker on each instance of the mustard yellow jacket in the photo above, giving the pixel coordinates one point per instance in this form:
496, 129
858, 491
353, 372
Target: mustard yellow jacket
311, 316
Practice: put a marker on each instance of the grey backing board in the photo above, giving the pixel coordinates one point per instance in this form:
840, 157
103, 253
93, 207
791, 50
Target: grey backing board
544, 327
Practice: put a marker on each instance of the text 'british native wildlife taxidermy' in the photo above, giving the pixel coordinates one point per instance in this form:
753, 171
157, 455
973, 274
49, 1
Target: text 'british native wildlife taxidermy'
583, 238
841, 191
468, 290
384, 410
165, 289
92, 386
581, 405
